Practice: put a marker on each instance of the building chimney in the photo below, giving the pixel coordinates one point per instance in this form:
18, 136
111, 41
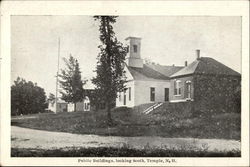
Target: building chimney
186, 63
198, 54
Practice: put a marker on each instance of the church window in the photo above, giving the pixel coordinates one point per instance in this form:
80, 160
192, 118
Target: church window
135, 48
119, 95
152, 94
129, 93
124, 97
177, 87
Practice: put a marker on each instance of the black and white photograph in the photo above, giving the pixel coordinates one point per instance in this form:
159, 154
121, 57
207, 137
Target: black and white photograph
139, 85
150, 87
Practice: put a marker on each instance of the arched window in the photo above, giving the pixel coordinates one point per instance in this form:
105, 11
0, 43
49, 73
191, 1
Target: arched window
188, 89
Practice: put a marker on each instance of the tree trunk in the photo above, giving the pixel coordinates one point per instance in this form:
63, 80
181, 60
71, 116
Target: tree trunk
109, 118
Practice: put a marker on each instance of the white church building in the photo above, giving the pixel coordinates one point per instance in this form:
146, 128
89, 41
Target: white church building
147, 83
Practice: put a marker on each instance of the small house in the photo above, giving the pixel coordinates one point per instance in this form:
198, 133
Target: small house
62, 106
85, 104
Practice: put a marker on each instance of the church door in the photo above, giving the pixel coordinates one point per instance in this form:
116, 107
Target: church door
166, 94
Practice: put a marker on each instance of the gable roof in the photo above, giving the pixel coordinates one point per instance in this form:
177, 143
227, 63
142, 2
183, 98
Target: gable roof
165, 70
153, 71
206, 65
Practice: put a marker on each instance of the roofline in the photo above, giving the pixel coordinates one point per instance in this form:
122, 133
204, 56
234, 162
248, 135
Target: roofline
185, 75
133, 58
149, 79
230, 75
179, 76
152, 79
167, 77
165, 65
133, 38
128, 70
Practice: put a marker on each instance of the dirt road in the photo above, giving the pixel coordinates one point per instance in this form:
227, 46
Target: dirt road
30, 138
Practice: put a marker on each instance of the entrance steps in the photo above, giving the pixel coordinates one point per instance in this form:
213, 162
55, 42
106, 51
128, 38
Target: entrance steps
164, 108
152, 108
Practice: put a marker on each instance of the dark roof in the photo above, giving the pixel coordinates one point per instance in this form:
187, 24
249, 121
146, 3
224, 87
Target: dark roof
165, 70
206, 65
153, 71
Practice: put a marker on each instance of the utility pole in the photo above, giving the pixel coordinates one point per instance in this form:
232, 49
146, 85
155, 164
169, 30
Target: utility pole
57, 73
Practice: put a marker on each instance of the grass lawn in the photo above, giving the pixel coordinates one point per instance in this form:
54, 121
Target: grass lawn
118, 152
131, 123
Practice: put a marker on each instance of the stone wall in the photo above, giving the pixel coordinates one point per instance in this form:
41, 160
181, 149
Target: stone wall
216, 93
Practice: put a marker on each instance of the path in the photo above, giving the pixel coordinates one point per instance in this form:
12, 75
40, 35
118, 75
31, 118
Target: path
30, 138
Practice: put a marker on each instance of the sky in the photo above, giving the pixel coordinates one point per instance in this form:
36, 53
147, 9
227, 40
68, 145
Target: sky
166, 40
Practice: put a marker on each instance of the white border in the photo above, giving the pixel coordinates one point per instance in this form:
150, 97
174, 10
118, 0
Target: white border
170, 8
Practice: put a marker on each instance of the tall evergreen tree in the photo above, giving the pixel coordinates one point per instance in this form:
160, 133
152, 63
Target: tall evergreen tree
110, 77
71, 82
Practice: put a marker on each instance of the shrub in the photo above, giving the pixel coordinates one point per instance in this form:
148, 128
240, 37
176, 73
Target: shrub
27, 98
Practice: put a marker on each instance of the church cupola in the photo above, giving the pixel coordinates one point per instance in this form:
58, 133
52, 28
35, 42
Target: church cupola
134, 52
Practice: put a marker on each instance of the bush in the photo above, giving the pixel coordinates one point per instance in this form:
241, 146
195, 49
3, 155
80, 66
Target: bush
27, 98
121, 109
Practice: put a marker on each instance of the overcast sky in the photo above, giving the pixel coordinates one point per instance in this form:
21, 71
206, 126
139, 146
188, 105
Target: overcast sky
165, 40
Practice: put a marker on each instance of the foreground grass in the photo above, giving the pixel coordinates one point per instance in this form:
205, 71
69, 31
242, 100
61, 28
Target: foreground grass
131, 123
118, 152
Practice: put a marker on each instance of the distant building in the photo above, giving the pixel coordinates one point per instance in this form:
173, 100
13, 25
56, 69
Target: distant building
62, 106
85, 104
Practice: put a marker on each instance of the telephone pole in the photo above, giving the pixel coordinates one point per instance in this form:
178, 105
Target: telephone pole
57, 73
